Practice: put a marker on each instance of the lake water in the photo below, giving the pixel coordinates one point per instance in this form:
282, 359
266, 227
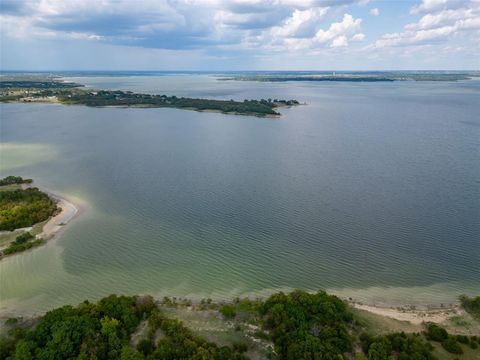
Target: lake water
371, 190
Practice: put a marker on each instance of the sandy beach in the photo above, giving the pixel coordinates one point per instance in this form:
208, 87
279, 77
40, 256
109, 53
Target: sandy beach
415, 317
67, 212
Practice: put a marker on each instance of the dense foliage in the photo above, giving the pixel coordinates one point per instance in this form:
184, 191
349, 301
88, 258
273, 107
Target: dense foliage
89, 331
178, 342
397, 346
449, 342
10, 180
22, 208
302, 326
471, 305
103, 331
307, 326
121, 98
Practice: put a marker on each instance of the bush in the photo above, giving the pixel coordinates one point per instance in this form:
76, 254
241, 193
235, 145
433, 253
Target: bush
228, 311
23, 238
11, 321
436, 333
240, 347
463, 339
471, 305
145, 346
452, 346
403, 346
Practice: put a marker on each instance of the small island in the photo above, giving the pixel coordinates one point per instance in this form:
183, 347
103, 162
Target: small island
72, 94
28, 216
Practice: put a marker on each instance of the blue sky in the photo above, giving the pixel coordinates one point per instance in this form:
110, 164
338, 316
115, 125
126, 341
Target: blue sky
239, 34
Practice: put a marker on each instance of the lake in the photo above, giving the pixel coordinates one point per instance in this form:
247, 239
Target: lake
370, 190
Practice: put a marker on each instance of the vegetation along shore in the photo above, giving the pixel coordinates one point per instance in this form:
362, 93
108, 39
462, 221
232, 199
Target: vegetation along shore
296, 325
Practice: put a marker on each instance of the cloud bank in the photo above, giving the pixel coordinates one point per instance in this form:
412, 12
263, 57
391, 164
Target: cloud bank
245, 33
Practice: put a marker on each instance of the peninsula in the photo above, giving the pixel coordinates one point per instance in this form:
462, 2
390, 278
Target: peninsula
52, 90
29, 216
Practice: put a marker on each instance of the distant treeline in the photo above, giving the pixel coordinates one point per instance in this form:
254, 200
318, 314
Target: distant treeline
32, 84
356, 77
311, 78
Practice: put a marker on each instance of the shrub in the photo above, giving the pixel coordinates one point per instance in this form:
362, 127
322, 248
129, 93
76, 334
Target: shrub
463, 339
145, 346
228, 311
471, 305
23, 238
452, 346
436, 333
240, 347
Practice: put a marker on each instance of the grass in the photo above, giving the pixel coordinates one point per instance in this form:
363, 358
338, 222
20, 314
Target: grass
464, 325
379, 325
10, 187
211, 325
11, 235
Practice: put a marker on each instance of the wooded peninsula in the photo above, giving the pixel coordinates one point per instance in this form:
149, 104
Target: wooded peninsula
72, 94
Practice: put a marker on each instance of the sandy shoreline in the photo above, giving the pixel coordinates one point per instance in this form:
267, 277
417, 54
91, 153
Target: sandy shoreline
413, 316
67, 212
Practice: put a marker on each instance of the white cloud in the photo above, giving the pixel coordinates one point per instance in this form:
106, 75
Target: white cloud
358, 37
340, 41
441, 18
427, 6
438, 25
348, 25
243, 28
302, 23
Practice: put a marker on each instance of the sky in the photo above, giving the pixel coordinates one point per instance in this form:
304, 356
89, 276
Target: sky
216, 35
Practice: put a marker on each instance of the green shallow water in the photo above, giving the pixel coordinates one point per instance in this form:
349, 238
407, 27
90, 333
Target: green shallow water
370, 190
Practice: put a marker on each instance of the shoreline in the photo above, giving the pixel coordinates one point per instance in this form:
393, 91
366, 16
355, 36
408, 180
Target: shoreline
413, 316
68, 211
